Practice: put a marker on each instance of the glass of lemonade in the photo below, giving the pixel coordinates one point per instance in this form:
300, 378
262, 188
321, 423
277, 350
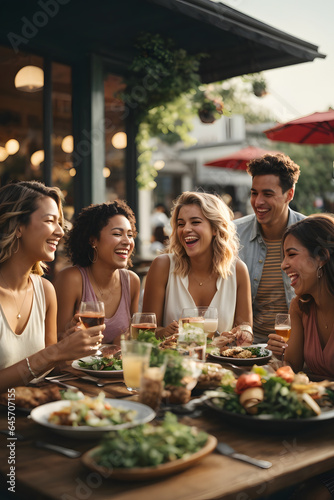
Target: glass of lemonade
136, 359
283, 326
142, 321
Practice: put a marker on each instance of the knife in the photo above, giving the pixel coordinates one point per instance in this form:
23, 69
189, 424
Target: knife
225, 449
68, 452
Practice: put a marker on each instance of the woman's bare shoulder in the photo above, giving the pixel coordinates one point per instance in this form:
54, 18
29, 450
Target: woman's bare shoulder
68, 275
161, 263
241, 269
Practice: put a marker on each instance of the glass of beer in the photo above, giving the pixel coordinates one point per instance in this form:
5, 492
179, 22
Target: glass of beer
142, 321
92, 314
283, 326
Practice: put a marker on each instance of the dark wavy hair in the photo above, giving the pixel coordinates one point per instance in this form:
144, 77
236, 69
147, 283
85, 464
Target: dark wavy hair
316, 234
18, 200
88, 224
280, 165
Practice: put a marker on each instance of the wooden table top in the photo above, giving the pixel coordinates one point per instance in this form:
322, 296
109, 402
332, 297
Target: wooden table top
41, 474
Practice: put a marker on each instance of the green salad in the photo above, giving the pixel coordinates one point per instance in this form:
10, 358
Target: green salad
148, 445
105, 364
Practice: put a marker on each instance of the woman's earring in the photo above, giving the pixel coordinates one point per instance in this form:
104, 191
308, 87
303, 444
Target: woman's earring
18, 245
95, 256
320, 272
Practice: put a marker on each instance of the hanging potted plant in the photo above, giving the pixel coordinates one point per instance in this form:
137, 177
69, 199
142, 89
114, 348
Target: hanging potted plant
210, 105
259, 87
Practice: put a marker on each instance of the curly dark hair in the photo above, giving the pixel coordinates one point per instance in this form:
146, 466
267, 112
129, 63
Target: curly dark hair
279, 164
89, 223
316, 233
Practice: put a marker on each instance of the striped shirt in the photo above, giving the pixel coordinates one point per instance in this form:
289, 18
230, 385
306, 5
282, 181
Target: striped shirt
270, 297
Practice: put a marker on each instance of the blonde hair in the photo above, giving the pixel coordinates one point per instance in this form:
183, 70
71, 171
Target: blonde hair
17, 202
224, 244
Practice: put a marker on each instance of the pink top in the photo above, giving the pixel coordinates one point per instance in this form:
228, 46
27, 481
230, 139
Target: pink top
319, 361
120, 321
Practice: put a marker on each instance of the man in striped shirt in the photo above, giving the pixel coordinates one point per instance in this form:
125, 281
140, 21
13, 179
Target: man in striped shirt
273, 186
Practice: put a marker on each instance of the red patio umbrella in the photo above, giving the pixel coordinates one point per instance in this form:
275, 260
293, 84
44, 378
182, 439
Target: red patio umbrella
240, 159
317, 128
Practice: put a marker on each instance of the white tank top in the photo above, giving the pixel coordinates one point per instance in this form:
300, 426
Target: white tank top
177, 297
14, 348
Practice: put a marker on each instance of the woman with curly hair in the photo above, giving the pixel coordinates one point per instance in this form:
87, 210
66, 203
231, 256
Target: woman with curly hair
31, 226
200, 267
100, 245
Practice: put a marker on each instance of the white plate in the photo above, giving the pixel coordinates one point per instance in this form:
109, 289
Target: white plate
97, 373
244, 361
41, 414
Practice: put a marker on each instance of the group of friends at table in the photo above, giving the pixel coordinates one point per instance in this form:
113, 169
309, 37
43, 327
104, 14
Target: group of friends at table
275, 260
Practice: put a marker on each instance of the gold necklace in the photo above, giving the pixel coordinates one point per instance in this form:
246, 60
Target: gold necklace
201, 283
11, 291
97, 286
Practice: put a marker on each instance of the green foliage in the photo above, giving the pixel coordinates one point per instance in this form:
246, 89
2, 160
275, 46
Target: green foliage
316, 169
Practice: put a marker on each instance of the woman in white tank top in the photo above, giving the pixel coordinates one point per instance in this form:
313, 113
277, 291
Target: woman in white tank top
200, 267
31, 221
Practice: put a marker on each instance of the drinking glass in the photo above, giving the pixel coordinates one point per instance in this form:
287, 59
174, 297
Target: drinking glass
92, 314
283, 326
142, 321
210, 315
152, 384
136, 359
190, 317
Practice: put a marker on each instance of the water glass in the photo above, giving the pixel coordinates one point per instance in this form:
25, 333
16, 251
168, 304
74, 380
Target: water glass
136, 359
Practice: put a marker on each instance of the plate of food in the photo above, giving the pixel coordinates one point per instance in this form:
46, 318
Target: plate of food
89, 418
277, 401
26, 398
135, 462
99, 366
244, 356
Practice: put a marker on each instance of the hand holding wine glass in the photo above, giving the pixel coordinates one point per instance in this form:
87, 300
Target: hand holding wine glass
92, 314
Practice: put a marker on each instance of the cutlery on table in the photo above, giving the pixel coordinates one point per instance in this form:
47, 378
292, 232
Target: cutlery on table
225, 449
67, 452
59, 382
98, 381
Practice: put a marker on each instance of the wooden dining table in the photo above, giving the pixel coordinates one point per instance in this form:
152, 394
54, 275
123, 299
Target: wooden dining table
296, 455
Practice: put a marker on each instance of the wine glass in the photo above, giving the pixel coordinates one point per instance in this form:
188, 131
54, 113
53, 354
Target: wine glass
92, 314
143, 321
283, 328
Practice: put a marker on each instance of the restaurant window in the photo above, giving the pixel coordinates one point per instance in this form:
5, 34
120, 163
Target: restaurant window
115, 139
21, 117
21, 122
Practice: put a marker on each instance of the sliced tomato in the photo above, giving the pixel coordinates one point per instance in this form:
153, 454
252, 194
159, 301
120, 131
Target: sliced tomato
286, 373
247, 380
